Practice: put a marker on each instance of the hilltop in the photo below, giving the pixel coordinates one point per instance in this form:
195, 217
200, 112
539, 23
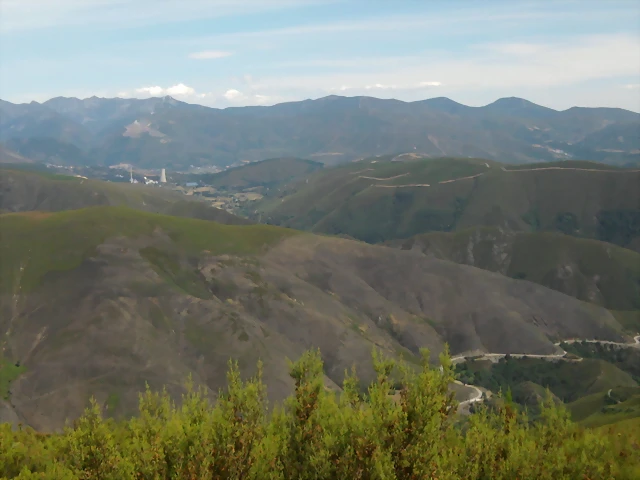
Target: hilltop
265, 174
164, 132
394, 197
100, 300
28, 190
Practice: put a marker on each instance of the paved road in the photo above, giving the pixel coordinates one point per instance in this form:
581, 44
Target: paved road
497, 356
634, 344
566, 168
387, 178
478, 393
476, 398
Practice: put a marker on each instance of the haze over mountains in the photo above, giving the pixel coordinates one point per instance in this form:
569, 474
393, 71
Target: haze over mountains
164, 132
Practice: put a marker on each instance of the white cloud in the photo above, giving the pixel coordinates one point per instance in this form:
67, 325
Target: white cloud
233, 94
379, 86
566, 62
225, 98
382, 87
454, 21
236, 97
34, 14
180, 90
153, 91
209, 55
632, 86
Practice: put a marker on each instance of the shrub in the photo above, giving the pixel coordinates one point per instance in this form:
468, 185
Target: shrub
319, 434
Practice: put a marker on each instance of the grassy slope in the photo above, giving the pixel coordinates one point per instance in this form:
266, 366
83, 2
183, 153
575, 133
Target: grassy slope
41, 190
603, 408
8, 372
586, 269
266, 173
337, 201
48, 242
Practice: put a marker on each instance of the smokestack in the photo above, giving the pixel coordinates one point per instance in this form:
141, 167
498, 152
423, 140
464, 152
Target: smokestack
163, 176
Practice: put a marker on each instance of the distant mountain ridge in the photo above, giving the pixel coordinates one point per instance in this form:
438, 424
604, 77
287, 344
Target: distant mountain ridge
164, 132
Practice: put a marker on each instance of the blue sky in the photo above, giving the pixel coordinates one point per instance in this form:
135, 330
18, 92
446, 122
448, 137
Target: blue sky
249, 52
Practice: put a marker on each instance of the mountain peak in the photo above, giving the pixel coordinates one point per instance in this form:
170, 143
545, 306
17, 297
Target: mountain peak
445, 104
518, 106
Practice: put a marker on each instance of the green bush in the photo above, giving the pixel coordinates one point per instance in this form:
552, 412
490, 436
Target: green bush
318, 434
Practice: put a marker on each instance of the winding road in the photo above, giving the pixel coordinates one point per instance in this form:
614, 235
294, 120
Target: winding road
477, 397
479, 175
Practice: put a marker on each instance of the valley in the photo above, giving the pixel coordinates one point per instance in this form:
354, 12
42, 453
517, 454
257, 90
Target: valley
319, 240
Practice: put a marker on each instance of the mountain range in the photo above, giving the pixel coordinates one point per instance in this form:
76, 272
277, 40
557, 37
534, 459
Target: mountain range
166, 133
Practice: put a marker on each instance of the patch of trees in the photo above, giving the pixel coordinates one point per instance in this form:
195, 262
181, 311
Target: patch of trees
318, 434
507, 373
567, 223
618, 226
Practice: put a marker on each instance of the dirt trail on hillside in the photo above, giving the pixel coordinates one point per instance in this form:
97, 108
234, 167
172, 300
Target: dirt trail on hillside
400, 186
568, 168
476, 398
461, 178
634, 344
388, 178
479, 175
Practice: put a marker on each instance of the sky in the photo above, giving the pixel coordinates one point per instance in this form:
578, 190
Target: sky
221, 53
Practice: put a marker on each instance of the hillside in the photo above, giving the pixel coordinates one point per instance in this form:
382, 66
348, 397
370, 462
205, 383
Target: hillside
596, 392
268, 174
379, 199
8, 156
619, 404
27, 190
590, 270
101, 300
163, 132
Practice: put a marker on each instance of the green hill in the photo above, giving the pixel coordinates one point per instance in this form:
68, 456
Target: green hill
102, 300
567, 380
269, 174
607, 407
30, 189
590, 270
379, 199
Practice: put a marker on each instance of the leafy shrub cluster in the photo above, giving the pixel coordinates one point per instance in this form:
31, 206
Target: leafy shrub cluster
318, 434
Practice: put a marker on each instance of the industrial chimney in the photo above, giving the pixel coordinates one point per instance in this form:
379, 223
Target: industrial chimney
163, 176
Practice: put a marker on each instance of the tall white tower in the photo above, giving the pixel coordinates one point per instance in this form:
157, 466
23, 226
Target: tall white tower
163, 176
131, 174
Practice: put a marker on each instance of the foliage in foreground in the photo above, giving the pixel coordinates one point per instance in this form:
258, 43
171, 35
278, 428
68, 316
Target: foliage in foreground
317, 434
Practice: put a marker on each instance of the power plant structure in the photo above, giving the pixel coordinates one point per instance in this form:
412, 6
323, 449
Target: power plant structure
163, 176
